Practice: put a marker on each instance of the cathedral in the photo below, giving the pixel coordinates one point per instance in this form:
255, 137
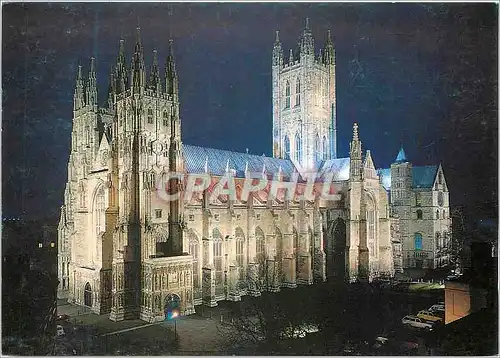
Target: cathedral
127, 250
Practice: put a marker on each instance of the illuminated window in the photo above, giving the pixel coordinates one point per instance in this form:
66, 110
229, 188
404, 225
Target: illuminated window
40, 245
287, 95
193, 251
165, 118
287, 147
371, 232
418, 241
150, 116
239, 251
298, 147
217, 252
158, 213
297, 92
419, 214
317, 153
99, 211
52, 244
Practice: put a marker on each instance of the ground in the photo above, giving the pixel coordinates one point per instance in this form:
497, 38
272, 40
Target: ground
200, 334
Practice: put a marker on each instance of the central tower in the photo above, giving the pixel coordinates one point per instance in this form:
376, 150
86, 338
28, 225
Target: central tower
304, 102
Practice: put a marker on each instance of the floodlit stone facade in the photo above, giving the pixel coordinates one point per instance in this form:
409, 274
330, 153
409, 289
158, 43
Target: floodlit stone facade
125, 247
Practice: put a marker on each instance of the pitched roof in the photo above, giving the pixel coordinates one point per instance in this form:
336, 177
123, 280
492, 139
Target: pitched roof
422, 177
339, 167
217, 160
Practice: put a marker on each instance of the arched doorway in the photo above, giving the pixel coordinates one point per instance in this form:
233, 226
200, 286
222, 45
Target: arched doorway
172, 306
87, 295
335, 251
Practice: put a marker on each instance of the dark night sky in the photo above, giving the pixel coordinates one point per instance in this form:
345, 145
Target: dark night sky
424, 74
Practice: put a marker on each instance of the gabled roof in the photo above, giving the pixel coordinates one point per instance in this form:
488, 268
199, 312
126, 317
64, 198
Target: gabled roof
422, 177
218, 160
339, 167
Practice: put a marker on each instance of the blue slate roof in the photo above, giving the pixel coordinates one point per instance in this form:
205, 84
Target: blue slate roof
217, 161
401, 157
339, 167
422, 177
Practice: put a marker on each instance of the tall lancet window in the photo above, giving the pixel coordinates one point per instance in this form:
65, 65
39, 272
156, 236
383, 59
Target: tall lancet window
240, 243
99, 211
317, 148
371, 233
217, 251
287, 147
325, 148
297, 92
298, 147
287, 95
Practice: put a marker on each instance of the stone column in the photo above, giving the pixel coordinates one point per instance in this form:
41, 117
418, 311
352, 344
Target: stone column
272, 282
208, 274
253, 280
319, 260
233, 279
304, 271
289, 262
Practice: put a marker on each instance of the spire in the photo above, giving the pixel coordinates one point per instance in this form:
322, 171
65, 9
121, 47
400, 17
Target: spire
171, 82
306, 42
111, 90
277, 51
355, 154
401, 157
79, 96
154, 77
121, 72
329, 54
290, 59
138, 76
91, 90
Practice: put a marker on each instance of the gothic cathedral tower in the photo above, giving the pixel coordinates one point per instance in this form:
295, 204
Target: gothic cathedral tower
304, 102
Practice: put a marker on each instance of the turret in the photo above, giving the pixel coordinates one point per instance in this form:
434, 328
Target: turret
121, 72
79, 96
154, 83
329, 53
171, 81
277, 51
138, 68
111, 90
91, 90
355, 154
306, 44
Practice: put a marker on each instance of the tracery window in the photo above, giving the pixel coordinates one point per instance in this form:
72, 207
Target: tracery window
165, 118
418, 241
325, 148
297, 92
99, 211
287, 147
194, 251
150, 116
287, 95
298, 147
239, 250
371, 232
217, 251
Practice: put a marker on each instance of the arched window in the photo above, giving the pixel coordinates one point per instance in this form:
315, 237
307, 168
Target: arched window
217, 251
287, 147
297, 92
444, 215
87, 295
240, 240
99, 211
419, 214
371, 232
418, 241
150, 116
165, 118
437, 214
317, 154
438, 240
325, 148
287, 95
260, 250
298, 147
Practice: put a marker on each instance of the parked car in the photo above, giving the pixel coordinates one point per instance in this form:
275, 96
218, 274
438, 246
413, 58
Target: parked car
438, 309
417, 322
429, 316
